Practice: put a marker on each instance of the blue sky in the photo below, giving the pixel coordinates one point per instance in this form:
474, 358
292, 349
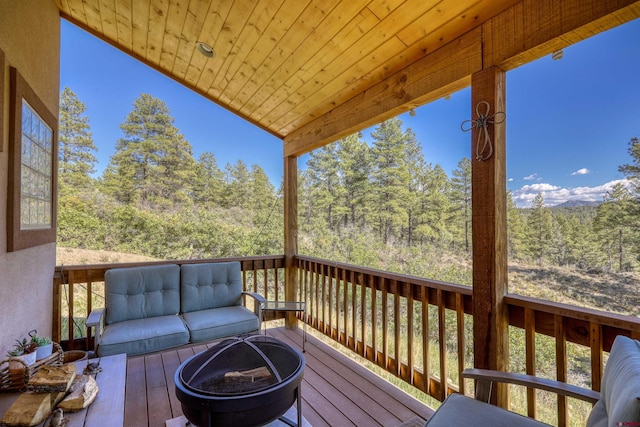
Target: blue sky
568, 121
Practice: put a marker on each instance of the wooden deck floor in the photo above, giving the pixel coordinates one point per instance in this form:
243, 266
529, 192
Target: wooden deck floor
336, 391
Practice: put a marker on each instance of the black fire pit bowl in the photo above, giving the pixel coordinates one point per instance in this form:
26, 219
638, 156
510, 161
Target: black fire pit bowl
240, 382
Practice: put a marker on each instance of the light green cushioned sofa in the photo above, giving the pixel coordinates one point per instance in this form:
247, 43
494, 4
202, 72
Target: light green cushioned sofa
618, 403
157, 307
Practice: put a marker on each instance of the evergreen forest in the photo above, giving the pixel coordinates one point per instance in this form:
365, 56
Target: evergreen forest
380, 204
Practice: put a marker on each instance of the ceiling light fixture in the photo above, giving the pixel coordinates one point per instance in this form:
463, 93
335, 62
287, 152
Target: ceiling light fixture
557, 55
205, 49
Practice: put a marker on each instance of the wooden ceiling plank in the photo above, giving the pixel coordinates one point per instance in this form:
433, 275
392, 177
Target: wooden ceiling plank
211, 28
226, 38
283, 63
381, 8
140, 30
124, 24
173, 28
304, 25
92, 13
267, 45
334, 74
243, 49
109, 22
193, 23
433, 20
445, 70
330, 37
75, 10
328, 99
155, 37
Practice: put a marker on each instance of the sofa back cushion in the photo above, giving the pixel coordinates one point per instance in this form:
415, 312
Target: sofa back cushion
620, 390
210, 285
142, 292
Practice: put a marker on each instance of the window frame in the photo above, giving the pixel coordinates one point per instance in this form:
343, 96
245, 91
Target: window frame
18, 238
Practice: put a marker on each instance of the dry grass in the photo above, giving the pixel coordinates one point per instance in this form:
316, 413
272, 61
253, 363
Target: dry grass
612, 292
73, 256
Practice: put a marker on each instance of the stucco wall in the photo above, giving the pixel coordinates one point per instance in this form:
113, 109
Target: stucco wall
30, 39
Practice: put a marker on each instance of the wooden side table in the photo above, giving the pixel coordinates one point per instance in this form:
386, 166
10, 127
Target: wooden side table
296, 306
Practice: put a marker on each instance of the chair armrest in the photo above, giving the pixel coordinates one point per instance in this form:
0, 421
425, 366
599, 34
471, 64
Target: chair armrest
96, 320
257, 307
485, 378
259, 298
95, 317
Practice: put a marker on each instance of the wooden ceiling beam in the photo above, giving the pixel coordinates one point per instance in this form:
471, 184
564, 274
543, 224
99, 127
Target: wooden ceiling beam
526, 31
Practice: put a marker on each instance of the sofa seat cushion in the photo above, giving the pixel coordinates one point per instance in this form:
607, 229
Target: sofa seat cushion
210, 285
459, 410
143, 335
206, 325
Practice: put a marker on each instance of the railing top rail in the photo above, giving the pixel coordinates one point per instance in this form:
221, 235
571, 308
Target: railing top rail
448, 287
86, 267
621, 321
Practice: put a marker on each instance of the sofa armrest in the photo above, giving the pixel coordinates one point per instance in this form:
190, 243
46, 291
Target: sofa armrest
485, 379
96, 320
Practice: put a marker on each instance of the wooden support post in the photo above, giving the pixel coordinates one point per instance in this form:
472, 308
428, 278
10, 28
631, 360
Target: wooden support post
488, 184
290, 234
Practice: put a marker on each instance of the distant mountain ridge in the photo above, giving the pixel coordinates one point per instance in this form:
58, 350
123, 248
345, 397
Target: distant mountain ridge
576, 204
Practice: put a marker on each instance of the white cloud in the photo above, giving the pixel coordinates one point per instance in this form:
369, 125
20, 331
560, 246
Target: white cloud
510, 180
531, 177
554, 195
582, 171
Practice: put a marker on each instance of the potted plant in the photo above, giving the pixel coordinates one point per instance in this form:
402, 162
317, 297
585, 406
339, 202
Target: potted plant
44, 345
25, 351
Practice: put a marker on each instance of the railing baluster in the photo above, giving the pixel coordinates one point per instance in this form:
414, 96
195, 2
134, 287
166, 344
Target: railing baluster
330, 301
595, 338
70, 322
410, 335
561, 368
396, 326
442, 336
374, 320
530, 348
385, 326
354, 334
345, 307
461, 340
363, 317
424, 298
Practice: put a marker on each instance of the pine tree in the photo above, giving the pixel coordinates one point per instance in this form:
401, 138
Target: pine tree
76, 156
540, 230
632, 170
614, 225
153, 164
516, 229
390, 177
461, 197
354, 168
209, 183
324, 185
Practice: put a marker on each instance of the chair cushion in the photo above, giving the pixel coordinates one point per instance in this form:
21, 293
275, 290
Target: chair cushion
620, 390
141, 292
211, 285
206, 325
143, 336
460, 410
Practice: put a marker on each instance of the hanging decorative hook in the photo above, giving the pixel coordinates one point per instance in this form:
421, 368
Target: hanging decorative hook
482, 123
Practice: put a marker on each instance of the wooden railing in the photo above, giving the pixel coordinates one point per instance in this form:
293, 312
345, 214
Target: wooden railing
383, 317
80, 288
419, 330
394, 320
